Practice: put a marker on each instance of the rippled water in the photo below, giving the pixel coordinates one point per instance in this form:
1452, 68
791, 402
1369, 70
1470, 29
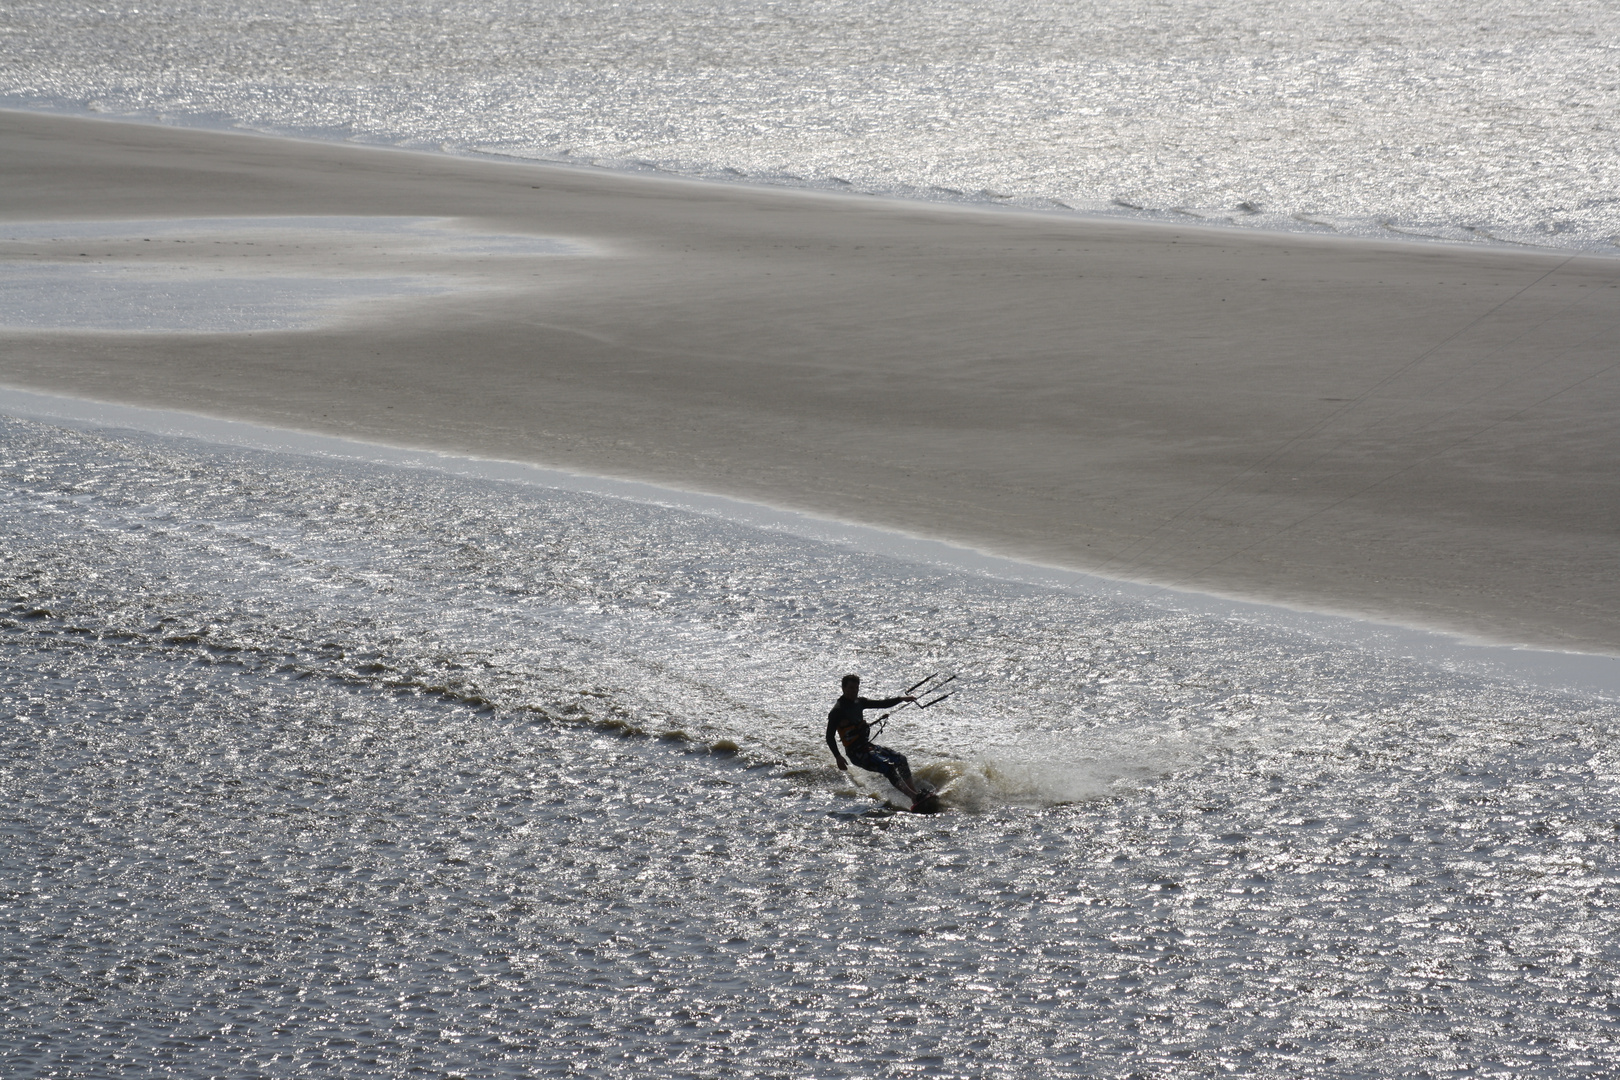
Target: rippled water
324, 767
1458, 120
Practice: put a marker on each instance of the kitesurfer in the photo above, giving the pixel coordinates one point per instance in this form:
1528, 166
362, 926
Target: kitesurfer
845, 720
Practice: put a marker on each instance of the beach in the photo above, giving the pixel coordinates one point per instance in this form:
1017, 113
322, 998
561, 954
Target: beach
1413, 432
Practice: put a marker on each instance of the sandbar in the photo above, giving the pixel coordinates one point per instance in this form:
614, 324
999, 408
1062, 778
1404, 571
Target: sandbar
1422, 433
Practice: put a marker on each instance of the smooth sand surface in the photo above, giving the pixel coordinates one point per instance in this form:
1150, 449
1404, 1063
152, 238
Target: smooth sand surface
1418, 432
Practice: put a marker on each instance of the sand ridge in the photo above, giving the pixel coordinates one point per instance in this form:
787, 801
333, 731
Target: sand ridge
1418, 432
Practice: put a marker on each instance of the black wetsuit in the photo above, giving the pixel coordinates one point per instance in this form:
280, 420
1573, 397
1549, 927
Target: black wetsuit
846, 721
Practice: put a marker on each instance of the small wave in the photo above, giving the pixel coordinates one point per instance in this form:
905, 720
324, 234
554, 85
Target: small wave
991, 783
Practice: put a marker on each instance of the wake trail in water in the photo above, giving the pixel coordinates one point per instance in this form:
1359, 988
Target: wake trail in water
604, 612
331, 753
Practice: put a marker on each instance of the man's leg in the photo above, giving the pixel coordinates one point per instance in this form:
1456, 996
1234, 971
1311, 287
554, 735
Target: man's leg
897, 769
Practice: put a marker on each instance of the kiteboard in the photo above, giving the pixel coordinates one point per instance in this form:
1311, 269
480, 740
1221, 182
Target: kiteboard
927, 802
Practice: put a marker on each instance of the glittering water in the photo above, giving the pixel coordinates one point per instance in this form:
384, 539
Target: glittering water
320, 767
1444, 118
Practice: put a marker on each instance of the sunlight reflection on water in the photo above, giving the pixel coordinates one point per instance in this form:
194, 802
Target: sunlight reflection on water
326, 767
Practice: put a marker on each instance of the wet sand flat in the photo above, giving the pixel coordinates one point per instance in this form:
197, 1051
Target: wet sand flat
1419, 432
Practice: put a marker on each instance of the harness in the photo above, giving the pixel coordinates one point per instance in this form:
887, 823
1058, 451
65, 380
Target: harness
855, 733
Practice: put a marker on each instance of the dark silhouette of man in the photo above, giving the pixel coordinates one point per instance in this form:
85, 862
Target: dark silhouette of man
845, 720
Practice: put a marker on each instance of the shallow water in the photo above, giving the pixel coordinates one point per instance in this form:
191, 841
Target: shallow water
240, 275
1460, 121
317, 766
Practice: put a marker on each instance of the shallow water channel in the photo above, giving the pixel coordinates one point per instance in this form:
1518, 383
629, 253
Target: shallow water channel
316, 766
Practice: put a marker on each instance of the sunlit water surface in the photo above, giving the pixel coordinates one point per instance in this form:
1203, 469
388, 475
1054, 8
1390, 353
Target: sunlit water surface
1465, 120
323, 767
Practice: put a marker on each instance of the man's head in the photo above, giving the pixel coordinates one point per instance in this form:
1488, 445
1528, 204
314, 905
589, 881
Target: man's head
852, 685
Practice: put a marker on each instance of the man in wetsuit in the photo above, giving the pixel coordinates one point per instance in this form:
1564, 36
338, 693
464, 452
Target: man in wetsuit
845, 720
